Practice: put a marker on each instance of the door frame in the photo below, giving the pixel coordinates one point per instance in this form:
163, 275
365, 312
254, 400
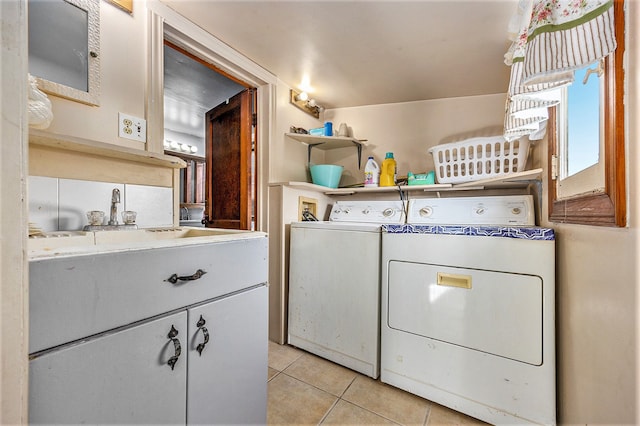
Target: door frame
14, 168
165, 23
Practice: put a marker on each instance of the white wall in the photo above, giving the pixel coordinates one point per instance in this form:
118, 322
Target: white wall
409, 129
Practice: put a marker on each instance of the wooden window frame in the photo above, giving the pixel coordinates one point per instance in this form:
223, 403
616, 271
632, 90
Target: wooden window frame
194, 178
608, 208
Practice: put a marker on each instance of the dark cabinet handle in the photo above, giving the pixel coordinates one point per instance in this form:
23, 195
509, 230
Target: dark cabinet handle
176, 345
197, 275
201, 322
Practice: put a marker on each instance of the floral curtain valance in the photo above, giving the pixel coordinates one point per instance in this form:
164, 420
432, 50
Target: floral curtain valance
551, 39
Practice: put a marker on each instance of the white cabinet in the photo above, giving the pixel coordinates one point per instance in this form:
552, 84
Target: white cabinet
226, 381
119, 378
105, 327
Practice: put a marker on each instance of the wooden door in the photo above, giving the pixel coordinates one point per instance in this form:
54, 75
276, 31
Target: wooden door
230, 187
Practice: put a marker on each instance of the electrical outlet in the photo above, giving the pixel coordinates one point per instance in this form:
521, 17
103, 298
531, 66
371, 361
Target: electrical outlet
130, 127
307, 205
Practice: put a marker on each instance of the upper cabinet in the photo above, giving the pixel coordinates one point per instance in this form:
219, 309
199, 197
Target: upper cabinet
64, 48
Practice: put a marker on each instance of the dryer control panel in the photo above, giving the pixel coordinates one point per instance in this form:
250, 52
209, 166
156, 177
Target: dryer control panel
513, 210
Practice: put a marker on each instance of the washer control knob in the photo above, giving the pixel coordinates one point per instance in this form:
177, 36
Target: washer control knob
516, 210
347, 210
480, 210
366, 211
388, 212
426, 211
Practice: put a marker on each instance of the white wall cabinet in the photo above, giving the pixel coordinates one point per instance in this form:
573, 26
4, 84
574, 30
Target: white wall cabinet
114, 368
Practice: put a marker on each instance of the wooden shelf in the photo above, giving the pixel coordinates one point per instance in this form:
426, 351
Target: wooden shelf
515, 180
383, 189
70, 143
328, 142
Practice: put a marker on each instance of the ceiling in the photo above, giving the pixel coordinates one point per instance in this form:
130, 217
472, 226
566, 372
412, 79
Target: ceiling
190, 90
357, 52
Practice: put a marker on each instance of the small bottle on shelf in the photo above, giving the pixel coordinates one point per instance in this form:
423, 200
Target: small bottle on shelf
371, 173
388, 173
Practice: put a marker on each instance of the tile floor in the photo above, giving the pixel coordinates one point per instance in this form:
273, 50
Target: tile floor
304, 389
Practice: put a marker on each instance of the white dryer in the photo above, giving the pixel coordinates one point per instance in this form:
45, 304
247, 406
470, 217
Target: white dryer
468, 308
334, 283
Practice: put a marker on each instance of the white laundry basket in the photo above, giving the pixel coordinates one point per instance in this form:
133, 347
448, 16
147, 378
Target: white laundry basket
479, 158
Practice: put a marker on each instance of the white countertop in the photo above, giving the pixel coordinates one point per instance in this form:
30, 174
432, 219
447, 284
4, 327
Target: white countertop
81, 243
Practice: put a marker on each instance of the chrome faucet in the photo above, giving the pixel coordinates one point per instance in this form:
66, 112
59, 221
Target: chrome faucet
115, 199
186, 213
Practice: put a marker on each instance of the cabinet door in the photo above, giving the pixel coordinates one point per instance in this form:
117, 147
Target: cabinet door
227, 381
114, 378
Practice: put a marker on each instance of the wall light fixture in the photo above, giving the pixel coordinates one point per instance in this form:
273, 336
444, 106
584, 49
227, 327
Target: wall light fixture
302, 101
180, 147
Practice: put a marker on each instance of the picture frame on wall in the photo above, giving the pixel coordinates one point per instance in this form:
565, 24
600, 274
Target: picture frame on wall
126, 5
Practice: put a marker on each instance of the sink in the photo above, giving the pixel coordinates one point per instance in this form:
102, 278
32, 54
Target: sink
87, 242
157, 234
55, 240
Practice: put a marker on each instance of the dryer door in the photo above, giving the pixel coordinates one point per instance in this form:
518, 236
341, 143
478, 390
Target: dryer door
494, 312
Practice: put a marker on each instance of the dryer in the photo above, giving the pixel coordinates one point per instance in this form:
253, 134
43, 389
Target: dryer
468, 308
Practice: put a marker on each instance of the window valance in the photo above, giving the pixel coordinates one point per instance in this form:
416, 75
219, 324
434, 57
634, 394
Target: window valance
551, 39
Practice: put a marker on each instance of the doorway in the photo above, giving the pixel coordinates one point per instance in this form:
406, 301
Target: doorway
192, 88
166, 24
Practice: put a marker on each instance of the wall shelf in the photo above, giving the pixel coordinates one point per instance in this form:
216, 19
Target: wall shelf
328, 142
71, 143
514, 180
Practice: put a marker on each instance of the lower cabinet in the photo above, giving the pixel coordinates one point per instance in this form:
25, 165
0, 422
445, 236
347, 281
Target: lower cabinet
116, 378
205, 364
227, 380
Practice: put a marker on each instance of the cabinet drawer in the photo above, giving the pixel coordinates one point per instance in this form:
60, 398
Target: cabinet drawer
75, 297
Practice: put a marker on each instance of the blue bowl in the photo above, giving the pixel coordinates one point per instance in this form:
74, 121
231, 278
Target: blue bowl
326, 175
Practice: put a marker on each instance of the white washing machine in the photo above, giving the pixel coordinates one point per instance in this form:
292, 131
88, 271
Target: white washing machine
468, 308
334, 283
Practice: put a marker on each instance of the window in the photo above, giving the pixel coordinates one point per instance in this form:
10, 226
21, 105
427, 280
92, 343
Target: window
590, 190
580, 134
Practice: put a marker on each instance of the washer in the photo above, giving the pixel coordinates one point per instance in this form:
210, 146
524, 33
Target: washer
468, 308
334, 283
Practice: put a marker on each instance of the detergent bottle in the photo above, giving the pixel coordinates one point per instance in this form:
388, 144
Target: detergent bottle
371, 173
388, 173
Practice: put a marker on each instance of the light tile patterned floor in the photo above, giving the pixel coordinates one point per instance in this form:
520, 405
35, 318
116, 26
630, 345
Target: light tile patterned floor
305, 389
